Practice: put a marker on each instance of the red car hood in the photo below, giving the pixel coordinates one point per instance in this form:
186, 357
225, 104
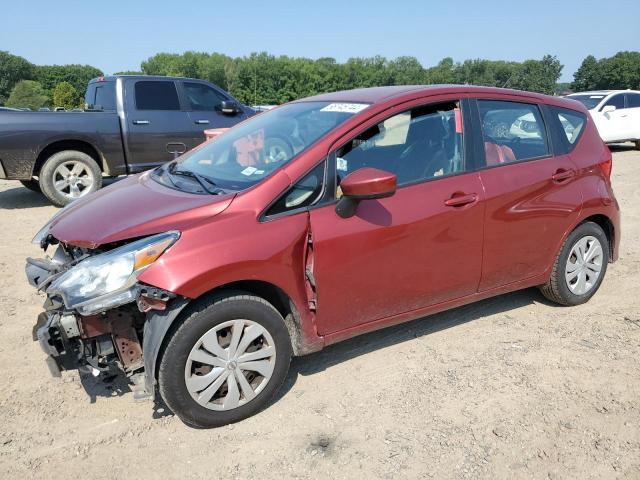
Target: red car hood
133, 207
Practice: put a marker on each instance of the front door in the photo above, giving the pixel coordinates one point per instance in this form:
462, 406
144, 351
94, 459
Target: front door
158, 128
421, 246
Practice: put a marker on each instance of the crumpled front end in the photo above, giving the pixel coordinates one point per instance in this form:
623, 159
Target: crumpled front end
96, 312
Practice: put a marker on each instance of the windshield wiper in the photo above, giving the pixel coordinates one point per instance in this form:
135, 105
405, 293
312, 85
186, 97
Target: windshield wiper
201, 179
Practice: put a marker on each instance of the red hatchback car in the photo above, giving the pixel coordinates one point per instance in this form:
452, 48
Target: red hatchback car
317, 221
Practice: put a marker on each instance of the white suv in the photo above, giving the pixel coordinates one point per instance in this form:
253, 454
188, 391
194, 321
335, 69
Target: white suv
616, 113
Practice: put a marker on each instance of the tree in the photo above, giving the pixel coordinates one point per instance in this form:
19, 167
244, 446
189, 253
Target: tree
77, 75
28, 93
586, 77
64, 95
12, 70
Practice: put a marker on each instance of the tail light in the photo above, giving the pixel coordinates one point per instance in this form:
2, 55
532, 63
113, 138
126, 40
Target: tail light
607, 163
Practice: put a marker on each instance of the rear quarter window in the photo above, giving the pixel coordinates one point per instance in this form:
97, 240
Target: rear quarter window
570, 125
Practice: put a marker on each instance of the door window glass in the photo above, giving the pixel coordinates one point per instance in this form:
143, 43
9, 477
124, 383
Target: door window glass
417, 145
617, 101
633, 100
512, 131
202, 97
152, 95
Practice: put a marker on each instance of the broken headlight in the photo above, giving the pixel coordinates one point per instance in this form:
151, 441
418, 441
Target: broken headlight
109, 279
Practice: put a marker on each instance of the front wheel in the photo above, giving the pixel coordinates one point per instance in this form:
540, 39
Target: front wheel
225, 361
580, 267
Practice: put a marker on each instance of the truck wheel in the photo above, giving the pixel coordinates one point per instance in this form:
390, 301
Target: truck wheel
637, 144
69, 175
580, 267
225, 361
32, 185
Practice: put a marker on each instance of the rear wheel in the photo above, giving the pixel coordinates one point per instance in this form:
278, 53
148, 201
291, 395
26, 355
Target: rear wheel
32, 185
580, 267
225, 361
69, 175
637, 144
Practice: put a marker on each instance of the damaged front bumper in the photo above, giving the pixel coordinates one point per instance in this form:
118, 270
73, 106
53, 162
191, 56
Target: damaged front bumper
123, 334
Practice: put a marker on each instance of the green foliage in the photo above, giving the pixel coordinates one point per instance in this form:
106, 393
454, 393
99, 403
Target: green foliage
77, 75
618, 72
28, 93
12, 70
64, 95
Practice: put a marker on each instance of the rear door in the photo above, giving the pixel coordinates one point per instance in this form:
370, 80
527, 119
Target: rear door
531, 194
158, 127
203, 102
419, 247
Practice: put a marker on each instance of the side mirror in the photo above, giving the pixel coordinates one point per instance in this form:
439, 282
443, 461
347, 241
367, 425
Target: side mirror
229, 107
364, 184
608, 108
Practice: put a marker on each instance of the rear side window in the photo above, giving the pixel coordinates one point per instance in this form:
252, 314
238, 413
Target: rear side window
617, 101
101, 96
512, 131
202, 97
633, 100
571, 125
156, 96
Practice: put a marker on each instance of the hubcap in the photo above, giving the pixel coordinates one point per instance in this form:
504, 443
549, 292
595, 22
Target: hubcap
230, 365
73, 179
584, 265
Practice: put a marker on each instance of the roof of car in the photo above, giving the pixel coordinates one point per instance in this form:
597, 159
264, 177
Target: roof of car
381, 94
108, 78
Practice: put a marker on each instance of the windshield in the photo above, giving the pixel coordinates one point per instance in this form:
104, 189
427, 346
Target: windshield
249, 152
589, 101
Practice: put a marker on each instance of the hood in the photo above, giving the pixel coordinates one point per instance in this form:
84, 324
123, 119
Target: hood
133, 207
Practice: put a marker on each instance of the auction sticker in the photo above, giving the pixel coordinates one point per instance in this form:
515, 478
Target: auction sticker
344, 107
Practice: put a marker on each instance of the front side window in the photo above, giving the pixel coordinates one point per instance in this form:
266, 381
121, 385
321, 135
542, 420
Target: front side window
202, 97
158, 95
512, 131
416, 145
617, 101
249, 152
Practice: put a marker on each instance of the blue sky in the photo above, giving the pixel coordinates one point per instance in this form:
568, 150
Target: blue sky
117, 35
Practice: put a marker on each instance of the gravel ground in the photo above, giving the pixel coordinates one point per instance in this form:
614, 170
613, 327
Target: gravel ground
511, 387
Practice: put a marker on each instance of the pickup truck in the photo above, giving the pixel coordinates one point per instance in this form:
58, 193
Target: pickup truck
129, 124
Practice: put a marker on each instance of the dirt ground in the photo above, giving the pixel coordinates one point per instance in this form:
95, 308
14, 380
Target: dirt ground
512, 387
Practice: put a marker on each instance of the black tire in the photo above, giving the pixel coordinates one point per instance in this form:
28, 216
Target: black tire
32, 185
199, 319
556, 289
47, 175
637, 144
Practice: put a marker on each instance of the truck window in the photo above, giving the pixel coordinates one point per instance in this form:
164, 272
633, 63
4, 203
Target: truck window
152, 95
101, 96
202, 97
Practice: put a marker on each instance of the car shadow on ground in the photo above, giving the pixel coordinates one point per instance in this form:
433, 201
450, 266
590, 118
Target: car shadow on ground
364, 344
22, 197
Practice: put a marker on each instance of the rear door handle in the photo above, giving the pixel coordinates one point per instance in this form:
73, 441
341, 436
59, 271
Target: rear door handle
562, 175
141, 122
202, 122
461, 200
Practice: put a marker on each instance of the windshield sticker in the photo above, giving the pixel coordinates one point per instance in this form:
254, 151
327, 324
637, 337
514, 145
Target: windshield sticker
596, 96
341, 164
344, 107
249, 171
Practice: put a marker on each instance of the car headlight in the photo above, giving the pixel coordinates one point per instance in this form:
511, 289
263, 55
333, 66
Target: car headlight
109, 279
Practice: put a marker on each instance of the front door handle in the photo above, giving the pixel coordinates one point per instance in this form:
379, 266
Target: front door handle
562, 175
141, 122
460, 200
202, 122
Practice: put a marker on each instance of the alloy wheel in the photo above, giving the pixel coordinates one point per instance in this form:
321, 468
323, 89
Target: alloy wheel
73, 179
